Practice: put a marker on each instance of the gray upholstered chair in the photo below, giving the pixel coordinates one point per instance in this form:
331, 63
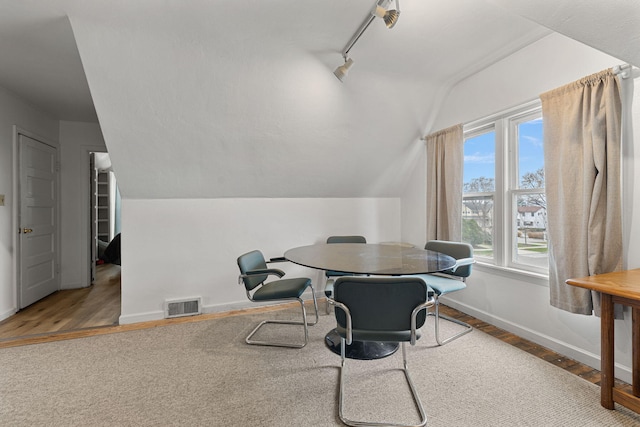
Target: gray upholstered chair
448, 281
254, 273
330, 275
382, 309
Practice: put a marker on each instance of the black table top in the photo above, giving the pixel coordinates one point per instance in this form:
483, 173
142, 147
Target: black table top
367, 258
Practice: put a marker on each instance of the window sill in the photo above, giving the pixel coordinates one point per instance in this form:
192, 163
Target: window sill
512, 273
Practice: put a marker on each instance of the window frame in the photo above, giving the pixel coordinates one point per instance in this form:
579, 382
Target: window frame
482, 128
507, 185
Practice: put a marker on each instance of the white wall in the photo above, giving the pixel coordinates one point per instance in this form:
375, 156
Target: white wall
14, 111
182, 248
414, 199
78, 139
513, 302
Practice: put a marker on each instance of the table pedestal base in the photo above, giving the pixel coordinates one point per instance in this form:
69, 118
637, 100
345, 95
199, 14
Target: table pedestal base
362, 350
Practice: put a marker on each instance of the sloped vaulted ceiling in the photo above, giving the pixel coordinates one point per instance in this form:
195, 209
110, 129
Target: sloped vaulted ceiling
237, 99
200, 99
40, 60
612, 26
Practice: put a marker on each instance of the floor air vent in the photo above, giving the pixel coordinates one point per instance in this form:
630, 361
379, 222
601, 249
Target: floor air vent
184, 307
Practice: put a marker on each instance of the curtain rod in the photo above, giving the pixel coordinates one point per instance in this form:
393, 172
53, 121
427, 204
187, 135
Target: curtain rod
624, 70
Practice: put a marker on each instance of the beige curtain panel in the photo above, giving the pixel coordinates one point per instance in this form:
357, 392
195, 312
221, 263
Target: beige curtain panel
445, 158
582, 174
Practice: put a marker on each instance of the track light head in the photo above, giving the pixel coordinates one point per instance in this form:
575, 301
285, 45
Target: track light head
342, 71
389, 16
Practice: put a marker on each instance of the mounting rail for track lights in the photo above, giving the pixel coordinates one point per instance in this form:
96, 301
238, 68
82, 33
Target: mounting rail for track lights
380, 10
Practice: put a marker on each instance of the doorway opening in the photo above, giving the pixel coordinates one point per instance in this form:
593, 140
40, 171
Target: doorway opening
105, 213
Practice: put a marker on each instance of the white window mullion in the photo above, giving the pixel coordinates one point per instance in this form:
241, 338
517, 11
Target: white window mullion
501, 193
511, 226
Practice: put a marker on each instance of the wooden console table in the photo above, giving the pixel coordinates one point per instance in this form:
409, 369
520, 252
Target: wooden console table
622, 287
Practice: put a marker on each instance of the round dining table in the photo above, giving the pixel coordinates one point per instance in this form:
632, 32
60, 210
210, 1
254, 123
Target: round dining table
368, 259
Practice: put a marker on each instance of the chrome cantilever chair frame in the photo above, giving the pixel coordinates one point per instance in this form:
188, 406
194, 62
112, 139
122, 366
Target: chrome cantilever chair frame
413, 337
441, 283
437, 316
250, 292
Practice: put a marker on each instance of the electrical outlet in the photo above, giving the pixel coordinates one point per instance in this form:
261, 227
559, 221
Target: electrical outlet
1, 199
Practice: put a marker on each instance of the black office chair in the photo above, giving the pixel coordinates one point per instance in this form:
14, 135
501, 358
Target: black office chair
254, 273
382, 309
330, 275
448, 281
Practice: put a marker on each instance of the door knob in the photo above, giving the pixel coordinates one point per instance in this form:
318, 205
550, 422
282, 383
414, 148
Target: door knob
27, 230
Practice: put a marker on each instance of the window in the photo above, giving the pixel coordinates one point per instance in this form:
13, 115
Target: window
504, 213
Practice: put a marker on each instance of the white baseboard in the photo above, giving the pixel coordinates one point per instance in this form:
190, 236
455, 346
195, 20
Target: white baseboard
622, 372
215, 308
221, 308
7, 314
141, 317
74, 286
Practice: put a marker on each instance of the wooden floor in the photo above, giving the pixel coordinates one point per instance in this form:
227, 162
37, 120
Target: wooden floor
95, 306
568, 364
95, 311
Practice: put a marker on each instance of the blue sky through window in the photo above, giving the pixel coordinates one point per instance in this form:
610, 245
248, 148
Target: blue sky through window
531, 148
480, 157
480, 152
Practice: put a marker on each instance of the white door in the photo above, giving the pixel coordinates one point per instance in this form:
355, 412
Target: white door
38, 220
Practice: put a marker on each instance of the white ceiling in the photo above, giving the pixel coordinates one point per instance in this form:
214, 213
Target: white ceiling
201, 98
612, 26
40, 60
439, 41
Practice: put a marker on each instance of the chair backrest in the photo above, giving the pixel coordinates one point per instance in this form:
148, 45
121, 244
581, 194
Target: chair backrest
253, 260
342, 239
380, 303
457, 250
346, 239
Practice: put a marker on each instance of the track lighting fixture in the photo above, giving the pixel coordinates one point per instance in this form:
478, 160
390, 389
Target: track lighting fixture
380, 10
389, 16
342, 71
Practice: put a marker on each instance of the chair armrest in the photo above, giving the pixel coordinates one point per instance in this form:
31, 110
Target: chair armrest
425, 305
267, 271
348, 315
277, 259
462, 262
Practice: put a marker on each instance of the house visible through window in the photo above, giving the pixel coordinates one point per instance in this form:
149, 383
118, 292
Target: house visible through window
504, 214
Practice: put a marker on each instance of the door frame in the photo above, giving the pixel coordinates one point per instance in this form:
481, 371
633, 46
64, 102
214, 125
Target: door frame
17, 203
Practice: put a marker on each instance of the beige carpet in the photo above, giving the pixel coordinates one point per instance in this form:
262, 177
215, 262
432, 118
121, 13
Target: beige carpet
203, 374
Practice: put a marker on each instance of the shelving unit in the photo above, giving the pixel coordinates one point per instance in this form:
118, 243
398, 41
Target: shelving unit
102, 207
